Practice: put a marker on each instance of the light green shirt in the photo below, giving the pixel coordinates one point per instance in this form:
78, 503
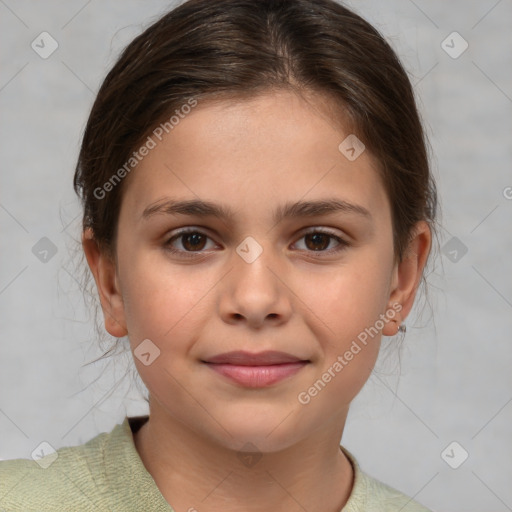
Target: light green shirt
107, 474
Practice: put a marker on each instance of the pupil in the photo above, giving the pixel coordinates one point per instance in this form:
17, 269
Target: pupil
317, 238
195, 241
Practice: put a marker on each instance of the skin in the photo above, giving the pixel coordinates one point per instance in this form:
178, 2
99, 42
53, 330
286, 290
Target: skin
253, 155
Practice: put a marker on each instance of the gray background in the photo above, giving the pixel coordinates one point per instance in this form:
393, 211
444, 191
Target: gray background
454, 381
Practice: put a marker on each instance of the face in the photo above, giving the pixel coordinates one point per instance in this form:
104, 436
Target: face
306, 284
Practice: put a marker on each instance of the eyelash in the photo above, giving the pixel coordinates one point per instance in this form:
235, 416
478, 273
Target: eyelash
343, 244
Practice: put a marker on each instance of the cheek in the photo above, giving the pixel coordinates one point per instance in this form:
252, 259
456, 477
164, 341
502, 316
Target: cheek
348, 340
158, 302
346, 308
350, 298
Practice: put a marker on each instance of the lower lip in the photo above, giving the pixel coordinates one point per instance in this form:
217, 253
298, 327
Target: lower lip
257, 376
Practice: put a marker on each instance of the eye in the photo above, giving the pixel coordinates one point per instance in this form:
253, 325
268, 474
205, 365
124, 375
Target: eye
317, 241
192, 240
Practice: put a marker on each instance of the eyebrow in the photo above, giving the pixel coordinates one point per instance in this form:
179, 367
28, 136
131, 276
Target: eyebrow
200, 208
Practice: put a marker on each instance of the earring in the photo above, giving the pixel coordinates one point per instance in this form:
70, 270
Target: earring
400, 327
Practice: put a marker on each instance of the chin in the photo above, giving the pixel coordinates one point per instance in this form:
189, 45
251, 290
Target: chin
250, 441
266, 431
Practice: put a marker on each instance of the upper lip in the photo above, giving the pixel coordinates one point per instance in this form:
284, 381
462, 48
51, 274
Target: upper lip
242, 358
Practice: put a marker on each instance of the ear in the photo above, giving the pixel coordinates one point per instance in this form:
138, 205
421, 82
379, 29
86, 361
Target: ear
407, 275
104, 272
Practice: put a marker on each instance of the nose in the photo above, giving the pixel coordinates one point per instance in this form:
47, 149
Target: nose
255, 290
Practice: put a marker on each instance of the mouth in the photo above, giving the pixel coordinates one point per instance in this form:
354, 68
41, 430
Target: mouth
256, 370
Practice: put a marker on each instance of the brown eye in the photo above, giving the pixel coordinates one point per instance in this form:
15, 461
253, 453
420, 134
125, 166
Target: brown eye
194, 241
317, 241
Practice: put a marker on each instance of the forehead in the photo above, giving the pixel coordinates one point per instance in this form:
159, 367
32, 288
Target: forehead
275, 147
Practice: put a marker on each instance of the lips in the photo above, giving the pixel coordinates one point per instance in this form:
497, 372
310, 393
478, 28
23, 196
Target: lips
242, 358
256, 370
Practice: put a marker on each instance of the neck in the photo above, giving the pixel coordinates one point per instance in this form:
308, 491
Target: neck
193, 473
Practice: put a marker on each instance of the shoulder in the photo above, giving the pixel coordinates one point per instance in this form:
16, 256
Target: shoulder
71, 478
372, 495
383, 498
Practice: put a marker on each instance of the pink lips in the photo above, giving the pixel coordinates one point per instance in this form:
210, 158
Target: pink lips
256, 370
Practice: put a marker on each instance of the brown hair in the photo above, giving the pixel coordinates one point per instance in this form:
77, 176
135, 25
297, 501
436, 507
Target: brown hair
240, 48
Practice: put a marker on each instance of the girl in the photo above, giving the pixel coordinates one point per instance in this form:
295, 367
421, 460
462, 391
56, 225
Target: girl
258, 212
